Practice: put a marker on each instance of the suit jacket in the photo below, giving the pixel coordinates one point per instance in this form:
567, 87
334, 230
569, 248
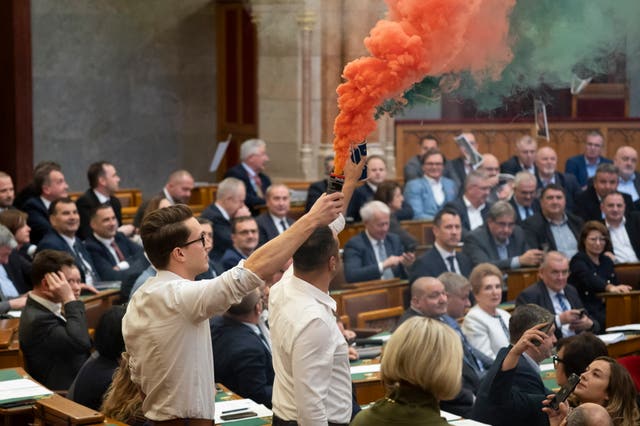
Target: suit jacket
419, 195
589, 204
267, 228
480, 246
38, 219
19, 271
54, 241
241, 360
104, 261
632, 225
413, 168
459, 206
360, 259
252, 200
431, 264
316, 189
512, 397
87, 202
512, 166
537, 293
535, 206
456, 171
363, 195
538, 231
590, 279
221, 231
577, 166
54, 349
230, 258
570, 185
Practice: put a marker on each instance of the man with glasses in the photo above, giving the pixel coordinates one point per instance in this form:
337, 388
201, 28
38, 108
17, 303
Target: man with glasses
500, 241
244, 235
553, 293
524, 200
583, 166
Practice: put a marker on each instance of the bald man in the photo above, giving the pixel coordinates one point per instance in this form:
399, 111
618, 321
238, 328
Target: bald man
546, 161
177, 190
626, 160
589, 414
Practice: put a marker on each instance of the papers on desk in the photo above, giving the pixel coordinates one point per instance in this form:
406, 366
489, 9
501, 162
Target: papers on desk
449, 416
365, 368
612, 337
14, 314
21, 389
239, 406
455, 419
467, 422
626, 327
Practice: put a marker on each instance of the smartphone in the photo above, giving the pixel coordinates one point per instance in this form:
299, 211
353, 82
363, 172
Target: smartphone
565, 391
582, 312
545, 330
236, 416
357, 153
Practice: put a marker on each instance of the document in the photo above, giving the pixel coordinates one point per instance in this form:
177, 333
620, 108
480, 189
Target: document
219, 154
19, 389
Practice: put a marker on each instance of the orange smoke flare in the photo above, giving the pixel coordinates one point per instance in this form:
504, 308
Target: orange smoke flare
418, 38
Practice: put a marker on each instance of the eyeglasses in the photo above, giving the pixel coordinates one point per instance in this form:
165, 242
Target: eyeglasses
556, 360
202, 239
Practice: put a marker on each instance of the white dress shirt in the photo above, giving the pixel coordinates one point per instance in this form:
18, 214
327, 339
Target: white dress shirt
167, 335
621, 243
310, 356
475, 214
484, 331
565, 328
436, 189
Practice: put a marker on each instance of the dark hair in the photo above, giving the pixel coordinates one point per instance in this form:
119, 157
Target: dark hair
13, 219
41, 174
153, 205
594, 225
95, 172
616, 192
163, 230
316, 251
48, 261
204, 221
94, 210
579, 351
526, 316
437, 219
386, 190
236, 220
606, 168
108, 338
555, 187
429, 136
54, 204
246, 305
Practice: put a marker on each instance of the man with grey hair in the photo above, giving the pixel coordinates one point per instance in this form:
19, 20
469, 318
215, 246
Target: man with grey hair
546, 166
253, 156
589, 414
229, 204
12, 295
375, 253
583, 166
472, 206
526, 148
524, 200
626, 160
500, 241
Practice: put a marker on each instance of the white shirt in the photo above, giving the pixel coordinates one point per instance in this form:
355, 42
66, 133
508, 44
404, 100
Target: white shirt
310, 356
566, 331
436, 189
122, 265
475, 214
277, 221
101, 197
166, 332
445, 255
484, 331
621, 243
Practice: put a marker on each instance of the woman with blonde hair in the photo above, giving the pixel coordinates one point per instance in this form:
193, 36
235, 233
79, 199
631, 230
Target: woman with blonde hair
421, 365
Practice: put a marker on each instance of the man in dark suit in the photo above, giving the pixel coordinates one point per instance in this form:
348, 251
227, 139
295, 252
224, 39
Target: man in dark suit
553, 228
241, 353
65, 221
7, 193
512, 391
458, 168
228, 205
244, 235
472, 206
275, 221
623, 231
546, 167
554, 294
500, 241
524, 160
604, 182
103, 184
253, 156
375, 253
524, 200
626, 160
55, 342
316, 189
49, 185
115, 257
583, 166
443, 257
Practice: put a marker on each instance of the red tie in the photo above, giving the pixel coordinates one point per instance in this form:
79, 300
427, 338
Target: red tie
258, 182
115, 247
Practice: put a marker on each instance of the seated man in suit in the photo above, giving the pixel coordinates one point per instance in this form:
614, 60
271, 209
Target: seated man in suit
49, 186
65, 221
604, 182
103, 184
626, 160
553, 228
375, 253
177, 190
583, 166
624, 231
546, 166
244, 235
12, 294
253, 156
458, 168
427, 194
241, 353
553, 293
524, 199
7, 194
443, 257
524, 160
316, 189
413, 168
429, 299
115, 257
500, 241
512, 391
275, 221
229, 204
55, 341
472, 206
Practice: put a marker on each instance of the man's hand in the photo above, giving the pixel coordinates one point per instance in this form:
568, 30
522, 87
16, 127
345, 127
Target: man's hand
127, 229
18, 302
242, 212
581, 324
353, 171
531, 257
58, 287
570, 316
392, 261
408, 258
525, 343
89, 288
556, 417
326, 209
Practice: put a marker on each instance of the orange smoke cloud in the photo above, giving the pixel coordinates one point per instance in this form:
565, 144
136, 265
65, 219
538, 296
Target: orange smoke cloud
418, 38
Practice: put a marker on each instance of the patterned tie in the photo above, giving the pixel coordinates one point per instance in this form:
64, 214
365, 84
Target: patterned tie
452, 265
115, 248
503, 325
258, 185
387, 274
561, 301
89, 276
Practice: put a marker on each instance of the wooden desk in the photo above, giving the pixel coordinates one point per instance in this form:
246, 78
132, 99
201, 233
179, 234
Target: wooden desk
518, 280
97, 304
622, 308
368, 386
629, 346
11, 355
395, 289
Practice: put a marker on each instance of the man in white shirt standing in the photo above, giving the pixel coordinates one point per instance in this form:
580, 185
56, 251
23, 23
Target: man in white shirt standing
310, 355
166, 328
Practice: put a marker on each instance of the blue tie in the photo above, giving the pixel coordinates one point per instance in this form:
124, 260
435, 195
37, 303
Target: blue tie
563, 304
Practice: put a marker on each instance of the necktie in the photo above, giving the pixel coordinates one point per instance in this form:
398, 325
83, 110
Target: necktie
115, 248
452, 265
561, 301
528, 211
89, 277
382, 256
468, 354
283, 224
503, 325
258, 184
265, 342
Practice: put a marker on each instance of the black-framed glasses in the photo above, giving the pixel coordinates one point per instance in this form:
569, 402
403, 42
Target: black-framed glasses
556, 360
201, 239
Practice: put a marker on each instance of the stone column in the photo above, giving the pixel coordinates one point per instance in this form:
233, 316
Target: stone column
306, 21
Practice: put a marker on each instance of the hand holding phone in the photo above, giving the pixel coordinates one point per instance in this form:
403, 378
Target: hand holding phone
565, 391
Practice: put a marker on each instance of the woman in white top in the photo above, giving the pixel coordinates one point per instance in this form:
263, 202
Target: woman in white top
486, 326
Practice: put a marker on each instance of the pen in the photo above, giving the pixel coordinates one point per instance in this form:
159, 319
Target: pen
235, 410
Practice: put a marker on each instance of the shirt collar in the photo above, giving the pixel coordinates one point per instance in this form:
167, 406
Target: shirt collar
470, 206
443, 252
432, 181
622, 223
223, 211
70, 241
46, 202
54, 307
372, 240
101, 197
105, 241
249, 170
631, 178
168, 196
313, 291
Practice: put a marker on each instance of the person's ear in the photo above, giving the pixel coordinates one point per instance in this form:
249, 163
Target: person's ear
178, 255
333, 263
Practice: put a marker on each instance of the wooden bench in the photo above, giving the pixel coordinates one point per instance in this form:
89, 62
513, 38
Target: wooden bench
392, 291
96, 305
622, 308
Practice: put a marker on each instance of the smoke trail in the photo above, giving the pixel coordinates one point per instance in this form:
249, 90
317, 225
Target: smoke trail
418, 38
